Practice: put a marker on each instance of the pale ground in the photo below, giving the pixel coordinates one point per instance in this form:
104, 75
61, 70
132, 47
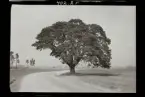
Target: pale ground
51, 82
86, 80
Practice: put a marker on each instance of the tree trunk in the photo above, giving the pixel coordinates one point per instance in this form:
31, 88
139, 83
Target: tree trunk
72, 69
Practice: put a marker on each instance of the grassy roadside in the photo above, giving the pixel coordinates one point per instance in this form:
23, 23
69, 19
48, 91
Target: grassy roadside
123, 79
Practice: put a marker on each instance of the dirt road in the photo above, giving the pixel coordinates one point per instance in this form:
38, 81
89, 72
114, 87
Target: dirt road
51, 82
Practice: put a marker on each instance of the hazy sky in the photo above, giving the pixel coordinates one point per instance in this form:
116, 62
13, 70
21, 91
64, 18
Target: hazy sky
119, 22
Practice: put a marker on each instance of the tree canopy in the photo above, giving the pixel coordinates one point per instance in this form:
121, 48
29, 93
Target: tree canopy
75, 41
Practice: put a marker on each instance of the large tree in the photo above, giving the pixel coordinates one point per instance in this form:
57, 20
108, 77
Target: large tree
75, 41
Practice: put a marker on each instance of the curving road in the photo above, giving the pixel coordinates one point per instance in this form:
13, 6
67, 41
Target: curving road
52, 82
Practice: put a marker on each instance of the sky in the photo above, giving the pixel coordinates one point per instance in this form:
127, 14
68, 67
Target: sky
119, 23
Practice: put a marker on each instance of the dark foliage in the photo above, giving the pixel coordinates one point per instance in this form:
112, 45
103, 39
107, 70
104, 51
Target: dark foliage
75, 41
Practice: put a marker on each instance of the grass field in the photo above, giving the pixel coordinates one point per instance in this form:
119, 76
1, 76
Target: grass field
121, 78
